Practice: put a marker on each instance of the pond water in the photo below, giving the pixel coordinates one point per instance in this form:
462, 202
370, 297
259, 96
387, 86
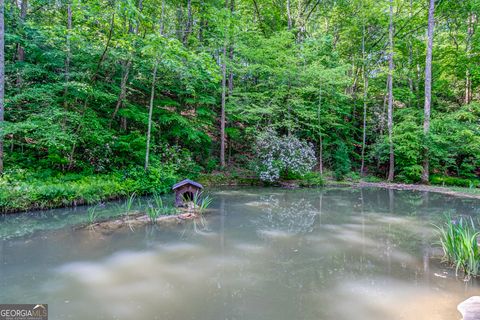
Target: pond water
259, 253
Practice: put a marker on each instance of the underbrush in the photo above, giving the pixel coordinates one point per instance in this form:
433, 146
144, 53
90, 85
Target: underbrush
311, 179
456, 182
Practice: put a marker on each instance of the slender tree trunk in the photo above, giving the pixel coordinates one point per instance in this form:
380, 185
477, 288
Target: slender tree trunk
150, 112
123, 89
137, 22
224, 93
230, 54
188, 25
20, 48
470, 31
365, 91
68, 55
320, 136
104, 53
384, 109
2, 78
180, 22
162, 19
428, 89
222, 112
391, 169
410, 59
417, 86
289, 15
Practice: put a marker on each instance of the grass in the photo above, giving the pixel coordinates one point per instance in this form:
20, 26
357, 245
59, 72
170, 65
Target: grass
158, 208
458, 239
152, 214
92, 215
200, 202
158, 200
127, 206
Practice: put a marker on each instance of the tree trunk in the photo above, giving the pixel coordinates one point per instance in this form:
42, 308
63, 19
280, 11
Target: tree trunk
468, 81
123, 89
320, 137
150, 112
382, 119
410, 59
137, 23
365, 90
2, 78
68, 55
20, 49
180, 22
162, 19
289, 15
188, 25
230, 55
222, 112
391, 169
104, 53
224, 93
428, 89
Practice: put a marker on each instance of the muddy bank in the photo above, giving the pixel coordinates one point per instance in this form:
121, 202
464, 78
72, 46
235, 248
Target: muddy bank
137, 219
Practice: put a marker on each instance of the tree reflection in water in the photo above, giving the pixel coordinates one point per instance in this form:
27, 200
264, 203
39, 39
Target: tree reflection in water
282, 214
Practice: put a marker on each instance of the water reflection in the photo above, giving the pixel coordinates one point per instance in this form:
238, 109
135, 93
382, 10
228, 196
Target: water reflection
285, 215
260, 254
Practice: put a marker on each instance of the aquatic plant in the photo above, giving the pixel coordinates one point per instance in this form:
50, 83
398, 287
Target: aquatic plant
158, 200
92, 215
161, 207
152, 214
201, 202
458, 238
129, 203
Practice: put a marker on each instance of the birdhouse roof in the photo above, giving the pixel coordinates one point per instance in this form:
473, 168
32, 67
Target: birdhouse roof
185, 182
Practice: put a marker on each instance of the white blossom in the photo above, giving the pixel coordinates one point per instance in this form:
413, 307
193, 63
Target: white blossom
280, 155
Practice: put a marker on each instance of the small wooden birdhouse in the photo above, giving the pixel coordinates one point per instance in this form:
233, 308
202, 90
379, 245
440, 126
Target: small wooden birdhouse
185, 191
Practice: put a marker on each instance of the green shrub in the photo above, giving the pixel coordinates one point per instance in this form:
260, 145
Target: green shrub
20, 191
454, 181
311, 179
372, 179
342, 164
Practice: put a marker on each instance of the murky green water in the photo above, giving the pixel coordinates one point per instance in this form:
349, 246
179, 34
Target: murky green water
259, 254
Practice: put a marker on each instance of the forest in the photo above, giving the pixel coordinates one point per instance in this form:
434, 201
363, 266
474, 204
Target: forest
107, 97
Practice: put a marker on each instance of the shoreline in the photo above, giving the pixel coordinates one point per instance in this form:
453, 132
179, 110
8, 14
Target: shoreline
417, 187
452, 191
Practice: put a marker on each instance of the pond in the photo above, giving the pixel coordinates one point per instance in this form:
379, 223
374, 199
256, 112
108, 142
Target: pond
260, 253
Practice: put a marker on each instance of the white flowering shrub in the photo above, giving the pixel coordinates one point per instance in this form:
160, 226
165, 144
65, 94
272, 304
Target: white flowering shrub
282, 156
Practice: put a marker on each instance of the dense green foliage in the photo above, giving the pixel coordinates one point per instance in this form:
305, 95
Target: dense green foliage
29, 191
459, 242
79, 79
